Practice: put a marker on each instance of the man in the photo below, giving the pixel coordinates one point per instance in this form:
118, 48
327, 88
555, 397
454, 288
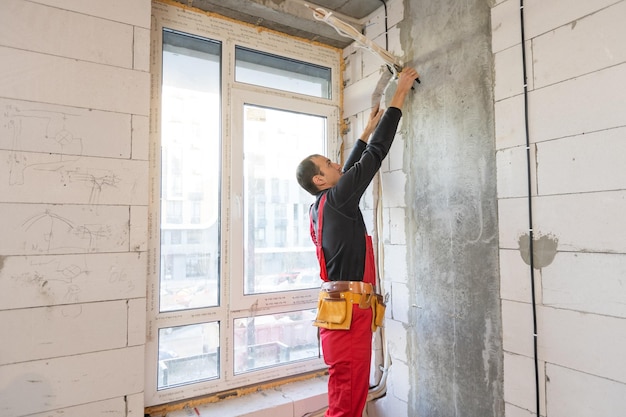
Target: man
345, 250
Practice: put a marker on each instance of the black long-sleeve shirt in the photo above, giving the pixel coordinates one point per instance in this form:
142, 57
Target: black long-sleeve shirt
343, 228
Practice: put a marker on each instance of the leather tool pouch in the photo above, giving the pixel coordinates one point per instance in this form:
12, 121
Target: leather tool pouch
333, 313
378, 311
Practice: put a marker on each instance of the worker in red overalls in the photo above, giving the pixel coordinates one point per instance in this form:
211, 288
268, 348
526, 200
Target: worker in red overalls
345, 249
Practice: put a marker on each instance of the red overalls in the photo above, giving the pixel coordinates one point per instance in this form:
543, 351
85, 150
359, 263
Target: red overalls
347, 352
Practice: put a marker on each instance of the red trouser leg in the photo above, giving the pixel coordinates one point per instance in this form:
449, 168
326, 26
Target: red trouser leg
348, 354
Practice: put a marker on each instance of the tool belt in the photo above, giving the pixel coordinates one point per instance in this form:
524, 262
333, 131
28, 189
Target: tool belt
334, 304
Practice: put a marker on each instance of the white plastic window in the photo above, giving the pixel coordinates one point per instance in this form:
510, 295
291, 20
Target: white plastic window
233, 276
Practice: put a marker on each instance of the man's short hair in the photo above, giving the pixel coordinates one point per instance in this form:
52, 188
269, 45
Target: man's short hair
305, 172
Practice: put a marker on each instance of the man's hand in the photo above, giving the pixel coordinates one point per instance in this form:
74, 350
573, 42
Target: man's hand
375, 116
407, 78
405, 82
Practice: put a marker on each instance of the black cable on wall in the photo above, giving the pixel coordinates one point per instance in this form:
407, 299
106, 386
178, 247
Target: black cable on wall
386, 27
530, 209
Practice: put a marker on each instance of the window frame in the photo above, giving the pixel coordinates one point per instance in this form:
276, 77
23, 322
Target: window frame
234, 96
240, 97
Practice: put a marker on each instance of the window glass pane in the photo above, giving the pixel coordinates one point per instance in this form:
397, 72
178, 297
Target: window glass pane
188, 354
276, 339
259, 68
190, 171
278, 252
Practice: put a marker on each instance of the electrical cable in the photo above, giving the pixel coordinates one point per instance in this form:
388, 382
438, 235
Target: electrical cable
380, 389
386, 26
344, 29
530, 211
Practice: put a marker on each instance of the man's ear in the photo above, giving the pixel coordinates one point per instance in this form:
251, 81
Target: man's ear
319, 180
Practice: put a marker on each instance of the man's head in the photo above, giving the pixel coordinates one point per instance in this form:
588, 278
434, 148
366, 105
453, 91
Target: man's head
317, 173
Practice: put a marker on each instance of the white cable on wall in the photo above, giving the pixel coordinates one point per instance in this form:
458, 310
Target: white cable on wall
344, 29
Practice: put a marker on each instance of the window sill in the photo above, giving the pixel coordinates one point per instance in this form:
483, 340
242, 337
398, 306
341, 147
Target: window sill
294, 399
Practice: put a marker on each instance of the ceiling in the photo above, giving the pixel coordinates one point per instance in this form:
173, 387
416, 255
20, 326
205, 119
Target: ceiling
292, 16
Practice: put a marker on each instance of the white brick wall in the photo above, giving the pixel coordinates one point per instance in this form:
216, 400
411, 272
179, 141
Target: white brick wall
594, 396
586, 282
74, 151
580, 105
590, 343
518, 371
576, 68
